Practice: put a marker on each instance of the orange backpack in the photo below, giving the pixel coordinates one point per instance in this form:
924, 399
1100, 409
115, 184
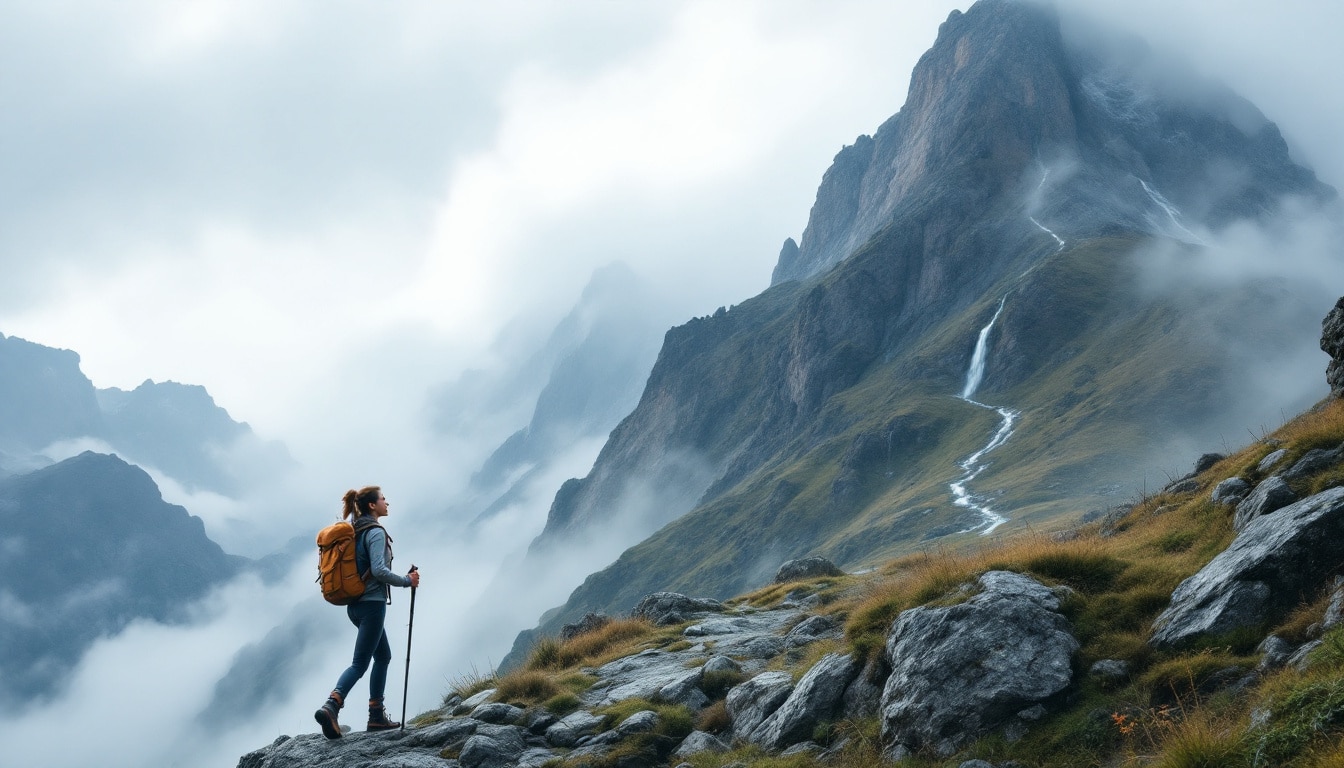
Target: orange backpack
342, 583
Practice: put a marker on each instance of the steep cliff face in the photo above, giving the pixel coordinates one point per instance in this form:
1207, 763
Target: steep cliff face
1083, 129
1027, 168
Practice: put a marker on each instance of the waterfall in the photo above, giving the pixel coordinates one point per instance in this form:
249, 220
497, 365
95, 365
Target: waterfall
1049, 232
1169, 209
977, 370
1035, 202
973, 465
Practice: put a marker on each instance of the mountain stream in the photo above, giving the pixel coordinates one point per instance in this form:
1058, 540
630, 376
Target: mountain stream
974, 464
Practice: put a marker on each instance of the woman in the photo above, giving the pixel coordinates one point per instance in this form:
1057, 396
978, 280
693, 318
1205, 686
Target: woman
373, 555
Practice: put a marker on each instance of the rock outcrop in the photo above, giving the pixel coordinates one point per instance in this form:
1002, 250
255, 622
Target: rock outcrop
935, 697
664, 608
1332, 344
1273, 563
814, 700
1273, 493
960, 671
806, 568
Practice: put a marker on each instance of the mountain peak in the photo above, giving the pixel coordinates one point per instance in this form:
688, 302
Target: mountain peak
1014, 112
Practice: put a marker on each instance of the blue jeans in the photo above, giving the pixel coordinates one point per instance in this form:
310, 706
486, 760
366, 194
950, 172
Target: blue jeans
370, 645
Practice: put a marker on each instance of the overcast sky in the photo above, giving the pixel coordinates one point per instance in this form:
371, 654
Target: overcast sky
261, 197
321, 210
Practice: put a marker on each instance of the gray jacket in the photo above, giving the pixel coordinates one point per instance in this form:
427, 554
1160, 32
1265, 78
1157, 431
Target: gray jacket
373, 556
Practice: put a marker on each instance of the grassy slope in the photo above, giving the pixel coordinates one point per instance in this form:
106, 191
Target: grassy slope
1169, 713
1102, 376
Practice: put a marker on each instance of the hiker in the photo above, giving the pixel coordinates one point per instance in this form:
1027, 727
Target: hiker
373, 553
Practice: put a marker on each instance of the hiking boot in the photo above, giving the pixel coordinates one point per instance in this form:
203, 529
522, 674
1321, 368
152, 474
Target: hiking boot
326, 716
378, 719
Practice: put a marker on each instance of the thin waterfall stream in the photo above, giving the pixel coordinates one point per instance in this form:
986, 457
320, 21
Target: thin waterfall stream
1173, 215
974, 464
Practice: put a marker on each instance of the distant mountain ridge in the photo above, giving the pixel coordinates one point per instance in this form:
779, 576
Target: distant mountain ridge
176, 428
89, 545
1028, 169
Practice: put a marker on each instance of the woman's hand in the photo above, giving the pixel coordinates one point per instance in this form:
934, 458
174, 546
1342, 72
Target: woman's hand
414, 576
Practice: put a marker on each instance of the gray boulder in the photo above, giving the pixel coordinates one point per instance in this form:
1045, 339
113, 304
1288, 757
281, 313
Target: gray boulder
589, 622
640, 722
535, 757
494, 746
763, 647
1271, 459
806, 568
1314, 461
750, 703
497, 713
721, 663
810, 630
573, 727
1230, 491
663, 608
698, 742
863, 697
960, 671
473, 701
816, 698
1264, 571
1110, 671
1206, 461
438, 735
1274, 653
1185, 485
1270, 495
685, 691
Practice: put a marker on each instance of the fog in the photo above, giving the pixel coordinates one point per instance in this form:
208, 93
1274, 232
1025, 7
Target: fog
352, 223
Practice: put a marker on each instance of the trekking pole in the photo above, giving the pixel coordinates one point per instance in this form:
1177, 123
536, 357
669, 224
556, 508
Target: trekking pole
410, 627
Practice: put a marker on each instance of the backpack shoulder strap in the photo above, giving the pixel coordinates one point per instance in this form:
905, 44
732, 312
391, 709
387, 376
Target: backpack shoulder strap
362, 525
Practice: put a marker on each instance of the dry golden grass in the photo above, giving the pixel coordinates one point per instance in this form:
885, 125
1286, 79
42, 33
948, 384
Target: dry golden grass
771, 595
714, 718
610, 641
526, 686
468, 684
1319, 427
1201, 739
1294, 627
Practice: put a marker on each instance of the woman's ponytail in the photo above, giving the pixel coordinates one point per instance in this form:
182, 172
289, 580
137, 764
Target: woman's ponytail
359, 502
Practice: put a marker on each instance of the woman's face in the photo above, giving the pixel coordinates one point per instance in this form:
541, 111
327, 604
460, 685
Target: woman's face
379, 507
